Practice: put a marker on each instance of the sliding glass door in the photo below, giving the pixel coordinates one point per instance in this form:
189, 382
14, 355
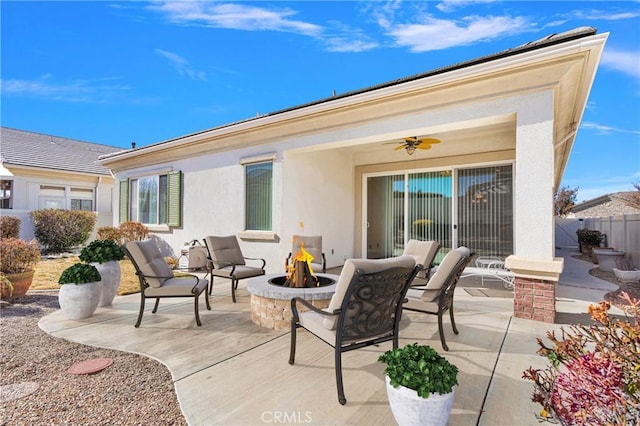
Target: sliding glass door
422, 206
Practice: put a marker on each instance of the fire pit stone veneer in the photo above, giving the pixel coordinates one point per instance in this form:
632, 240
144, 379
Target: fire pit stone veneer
271, 304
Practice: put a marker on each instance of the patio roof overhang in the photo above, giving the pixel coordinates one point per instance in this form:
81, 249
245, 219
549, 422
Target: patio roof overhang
565, 65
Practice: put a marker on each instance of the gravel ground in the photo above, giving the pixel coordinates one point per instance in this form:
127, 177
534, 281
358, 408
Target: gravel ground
134, 390
613, 297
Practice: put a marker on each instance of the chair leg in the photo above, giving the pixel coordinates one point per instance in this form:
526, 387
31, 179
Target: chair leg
195, 309
141, 311
233, 290
292, 351
341, 398
453, 322
441, 331
206, 299
155, 307
211, 285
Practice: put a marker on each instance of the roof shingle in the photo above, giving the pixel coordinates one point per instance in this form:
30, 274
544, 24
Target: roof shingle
22, 148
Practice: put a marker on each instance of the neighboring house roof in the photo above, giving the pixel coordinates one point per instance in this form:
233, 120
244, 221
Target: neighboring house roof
22, 148
615, 204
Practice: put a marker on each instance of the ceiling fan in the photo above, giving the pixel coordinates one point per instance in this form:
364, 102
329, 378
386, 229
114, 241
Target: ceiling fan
412, 143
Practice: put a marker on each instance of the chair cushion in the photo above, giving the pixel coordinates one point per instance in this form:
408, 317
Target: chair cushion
424, 295
225, 249
421, 305
423, 252
367, 266
442, 273
178, 286
150, 261
241, 271
313, 322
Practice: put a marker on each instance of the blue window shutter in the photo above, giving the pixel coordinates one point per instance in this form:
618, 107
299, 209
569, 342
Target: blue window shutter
174, 199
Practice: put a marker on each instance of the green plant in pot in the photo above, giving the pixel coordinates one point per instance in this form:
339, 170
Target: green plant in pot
80, 292
420, 385
105, 256
17, 262
589, 239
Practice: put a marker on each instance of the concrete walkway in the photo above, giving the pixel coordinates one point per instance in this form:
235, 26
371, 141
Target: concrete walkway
230, 371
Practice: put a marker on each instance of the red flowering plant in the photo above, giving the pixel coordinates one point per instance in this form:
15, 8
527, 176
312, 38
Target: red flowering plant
594, 376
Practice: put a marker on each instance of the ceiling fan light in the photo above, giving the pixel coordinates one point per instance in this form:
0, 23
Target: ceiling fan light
410, 149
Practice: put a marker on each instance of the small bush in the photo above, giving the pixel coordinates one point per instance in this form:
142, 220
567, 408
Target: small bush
60, 230
593, 373
133, 231
80, 273
101, 251
589, 236
9, 227
110, 233
18, 256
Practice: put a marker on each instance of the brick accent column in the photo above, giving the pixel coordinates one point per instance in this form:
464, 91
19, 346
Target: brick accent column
534, 299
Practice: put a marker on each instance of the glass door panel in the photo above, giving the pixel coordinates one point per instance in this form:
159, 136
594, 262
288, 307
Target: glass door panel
485, 210
385, 216
429, 211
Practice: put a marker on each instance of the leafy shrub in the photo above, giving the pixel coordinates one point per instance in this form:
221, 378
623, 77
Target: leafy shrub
589, 236
80, 273
6, 287
110, 233
101, 251
60, 230
133, 231
9, 227
18, 256
420, 368
594, 376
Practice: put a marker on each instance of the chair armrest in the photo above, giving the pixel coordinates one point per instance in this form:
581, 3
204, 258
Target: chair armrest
264, 262
220, 265
306, 303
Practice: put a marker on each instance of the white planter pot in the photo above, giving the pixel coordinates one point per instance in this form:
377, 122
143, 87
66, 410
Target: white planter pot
410, 409
110, 273
629, 277
78, 301
607, 259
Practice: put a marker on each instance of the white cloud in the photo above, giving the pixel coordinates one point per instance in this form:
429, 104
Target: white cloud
345, 44
238, 16
601, 129
625, 62
450, 5
182, 65
79, 91
437, 34
603, 15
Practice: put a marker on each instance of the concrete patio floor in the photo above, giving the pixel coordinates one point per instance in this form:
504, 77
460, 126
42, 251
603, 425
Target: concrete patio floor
233, 372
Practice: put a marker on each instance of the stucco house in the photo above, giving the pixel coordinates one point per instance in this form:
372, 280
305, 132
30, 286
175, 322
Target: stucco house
40, 171
615, 204
341, 167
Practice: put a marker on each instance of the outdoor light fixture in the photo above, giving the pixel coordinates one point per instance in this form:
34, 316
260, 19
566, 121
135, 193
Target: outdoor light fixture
410, 149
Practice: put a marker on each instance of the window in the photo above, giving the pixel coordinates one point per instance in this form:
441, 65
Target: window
6, 194
152, 200
81, 199
86, 205
258, 184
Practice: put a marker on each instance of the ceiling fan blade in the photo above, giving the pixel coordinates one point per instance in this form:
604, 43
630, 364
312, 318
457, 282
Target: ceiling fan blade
430, 141
423, 146
411, 139
399, 147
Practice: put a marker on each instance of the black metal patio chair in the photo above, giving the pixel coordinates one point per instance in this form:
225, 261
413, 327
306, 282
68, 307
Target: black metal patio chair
365, 309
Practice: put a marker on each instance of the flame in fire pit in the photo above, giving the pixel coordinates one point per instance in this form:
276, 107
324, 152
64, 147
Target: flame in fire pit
299, 272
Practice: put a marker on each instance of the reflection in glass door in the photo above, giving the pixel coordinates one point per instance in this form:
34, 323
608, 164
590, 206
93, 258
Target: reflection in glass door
385, 216
422, 206
429, 213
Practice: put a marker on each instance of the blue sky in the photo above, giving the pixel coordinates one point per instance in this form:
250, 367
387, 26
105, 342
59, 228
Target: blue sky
116, 72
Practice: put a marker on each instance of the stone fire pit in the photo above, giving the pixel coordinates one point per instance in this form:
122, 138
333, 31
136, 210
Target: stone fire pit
271, 304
